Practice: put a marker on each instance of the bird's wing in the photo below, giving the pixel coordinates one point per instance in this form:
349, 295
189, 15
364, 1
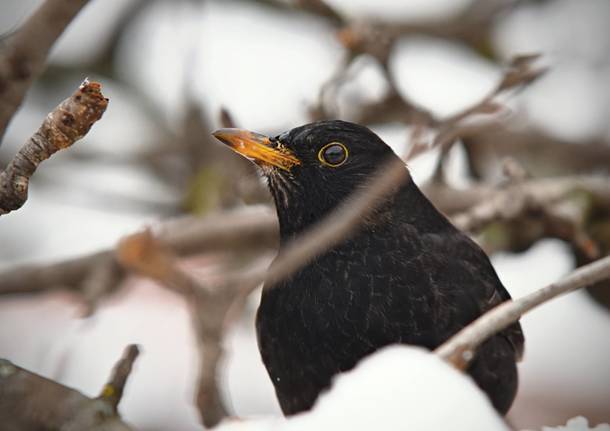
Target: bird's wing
468, 281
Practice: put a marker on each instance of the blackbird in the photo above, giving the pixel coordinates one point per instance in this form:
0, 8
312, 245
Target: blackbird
405, 275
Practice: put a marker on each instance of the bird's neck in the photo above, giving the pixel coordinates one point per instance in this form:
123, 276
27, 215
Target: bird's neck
406, 205
296, 219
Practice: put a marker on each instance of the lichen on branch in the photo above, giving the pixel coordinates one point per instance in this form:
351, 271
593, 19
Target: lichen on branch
66, 124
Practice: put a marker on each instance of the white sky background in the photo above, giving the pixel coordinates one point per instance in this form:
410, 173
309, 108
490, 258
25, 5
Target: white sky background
266, 67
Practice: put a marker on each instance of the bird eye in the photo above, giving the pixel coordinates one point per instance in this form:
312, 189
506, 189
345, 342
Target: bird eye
333, 154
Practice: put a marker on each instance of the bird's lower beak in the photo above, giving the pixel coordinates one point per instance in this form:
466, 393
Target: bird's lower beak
258, 148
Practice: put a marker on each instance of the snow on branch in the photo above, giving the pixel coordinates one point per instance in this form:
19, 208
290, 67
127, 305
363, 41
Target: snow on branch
66, 124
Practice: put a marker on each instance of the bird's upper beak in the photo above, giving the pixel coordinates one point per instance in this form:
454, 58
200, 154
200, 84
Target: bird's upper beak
258, 148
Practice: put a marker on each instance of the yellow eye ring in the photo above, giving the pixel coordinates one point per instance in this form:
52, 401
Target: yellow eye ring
333, 154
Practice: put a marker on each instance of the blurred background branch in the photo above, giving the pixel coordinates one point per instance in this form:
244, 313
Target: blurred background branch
23, 58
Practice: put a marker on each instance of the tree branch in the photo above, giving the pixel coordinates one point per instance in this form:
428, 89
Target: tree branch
24, 57
515, 199
243, 229
29, 401
460, 348
255, 229
67, 123
113, 390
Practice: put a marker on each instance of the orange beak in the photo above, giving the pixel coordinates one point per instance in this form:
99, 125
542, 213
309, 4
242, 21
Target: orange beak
257, 148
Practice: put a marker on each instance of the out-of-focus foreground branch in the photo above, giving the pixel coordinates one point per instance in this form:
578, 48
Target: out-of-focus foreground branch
30, 402
67, 123
23, 58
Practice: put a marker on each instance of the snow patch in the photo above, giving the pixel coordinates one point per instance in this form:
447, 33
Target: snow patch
397, 388
578, 423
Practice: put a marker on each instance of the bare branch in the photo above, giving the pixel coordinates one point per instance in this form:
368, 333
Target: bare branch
29, 401
103, 278
319, 8
67, 123
460, 348
113, 390
243, 229
26, 52
520, 73
377, 38
472, 26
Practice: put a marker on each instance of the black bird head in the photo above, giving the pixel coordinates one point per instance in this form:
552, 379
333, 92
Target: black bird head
312, 168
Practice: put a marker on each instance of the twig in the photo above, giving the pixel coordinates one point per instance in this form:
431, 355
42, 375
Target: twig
395, 107
320, 8
24, 57
460, 348
315, 7
31, 402
102, 279
520, 73
472, 26
113, 390
67, 123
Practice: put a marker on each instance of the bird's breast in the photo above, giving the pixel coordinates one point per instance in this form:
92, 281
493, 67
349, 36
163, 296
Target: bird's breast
361, 295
